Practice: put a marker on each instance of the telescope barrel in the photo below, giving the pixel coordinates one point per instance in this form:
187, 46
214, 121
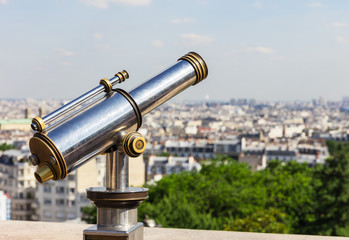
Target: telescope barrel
93, 131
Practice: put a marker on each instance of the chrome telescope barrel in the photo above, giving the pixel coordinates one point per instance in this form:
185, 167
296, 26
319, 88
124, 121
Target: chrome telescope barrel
69, 145
106, 85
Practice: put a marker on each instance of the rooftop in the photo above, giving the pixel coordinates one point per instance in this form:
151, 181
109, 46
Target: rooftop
23, 230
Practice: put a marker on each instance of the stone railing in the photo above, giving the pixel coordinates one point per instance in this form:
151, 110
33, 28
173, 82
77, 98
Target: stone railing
23, 230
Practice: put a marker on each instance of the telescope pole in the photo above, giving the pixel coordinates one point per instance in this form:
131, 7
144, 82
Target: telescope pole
117, 202
117, 170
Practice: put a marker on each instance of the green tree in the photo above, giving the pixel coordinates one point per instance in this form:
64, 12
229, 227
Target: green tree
332, 210
290, 188
89, 214
265, 221
5, 146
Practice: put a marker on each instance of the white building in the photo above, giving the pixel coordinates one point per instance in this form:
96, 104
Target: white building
5, 206
162, 166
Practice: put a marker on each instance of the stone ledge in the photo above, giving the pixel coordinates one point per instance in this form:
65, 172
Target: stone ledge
24, 230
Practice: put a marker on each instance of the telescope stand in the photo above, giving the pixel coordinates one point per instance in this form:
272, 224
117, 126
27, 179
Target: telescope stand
116, 203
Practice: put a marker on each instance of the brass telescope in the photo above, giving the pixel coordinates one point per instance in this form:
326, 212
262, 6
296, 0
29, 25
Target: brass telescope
106, 120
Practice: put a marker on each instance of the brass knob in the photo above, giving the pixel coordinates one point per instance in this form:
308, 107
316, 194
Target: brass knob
133, 144
44, 173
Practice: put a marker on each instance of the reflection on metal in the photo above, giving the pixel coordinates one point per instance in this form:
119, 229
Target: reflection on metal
105, 120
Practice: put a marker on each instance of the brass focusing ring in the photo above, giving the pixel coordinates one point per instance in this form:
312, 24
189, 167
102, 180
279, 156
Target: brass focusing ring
123, 75
198, 64
133, 144
107, 85
39, 123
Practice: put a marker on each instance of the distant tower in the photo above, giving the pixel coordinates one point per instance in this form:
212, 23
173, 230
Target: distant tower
41, 112
27, 113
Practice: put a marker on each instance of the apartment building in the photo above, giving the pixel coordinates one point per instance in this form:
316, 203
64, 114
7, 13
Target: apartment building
56, 201
16, 180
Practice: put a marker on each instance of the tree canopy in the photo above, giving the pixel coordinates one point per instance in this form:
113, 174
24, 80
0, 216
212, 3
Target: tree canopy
286, 197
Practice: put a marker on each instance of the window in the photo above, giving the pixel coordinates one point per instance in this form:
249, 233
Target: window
47, 201
60, 202
72, 190
47, 213
59, 189
71, 177
47, 188
60, 215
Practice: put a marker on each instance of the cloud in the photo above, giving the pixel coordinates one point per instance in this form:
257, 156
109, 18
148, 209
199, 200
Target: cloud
4, 2
338, 24
66, 64
341, 39
257, 5
196, 39
105, 3
182, 20
97, 36
315, 4
63, 52
262, 50
157, 43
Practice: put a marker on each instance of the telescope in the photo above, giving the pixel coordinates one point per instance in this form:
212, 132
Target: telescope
106, 120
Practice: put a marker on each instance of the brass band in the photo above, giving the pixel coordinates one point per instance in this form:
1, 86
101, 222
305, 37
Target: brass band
123, 75
39, 123
198, 64
107, 84
133, 104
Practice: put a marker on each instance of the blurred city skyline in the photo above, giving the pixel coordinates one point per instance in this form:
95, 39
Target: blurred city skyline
265, 50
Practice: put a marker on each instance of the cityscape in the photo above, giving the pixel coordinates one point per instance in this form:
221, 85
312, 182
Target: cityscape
180, 137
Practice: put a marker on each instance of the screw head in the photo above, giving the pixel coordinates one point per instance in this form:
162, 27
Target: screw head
33, 159
53, 161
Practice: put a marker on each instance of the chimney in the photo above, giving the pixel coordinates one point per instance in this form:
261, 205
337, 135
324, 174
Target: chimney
41, 112
27, 113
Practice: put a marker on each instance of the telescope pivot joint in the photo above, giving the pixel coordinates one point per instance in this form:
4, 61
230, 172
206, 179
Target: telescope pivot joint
133, 144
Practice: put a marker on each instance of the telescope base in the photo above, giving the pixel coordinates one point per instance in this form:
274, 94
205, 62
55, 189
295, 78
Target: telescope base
134, 233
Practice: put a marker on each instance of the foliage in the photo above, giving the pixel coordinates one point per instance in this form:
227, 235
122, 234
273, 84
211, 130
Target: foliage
89, 214
5, 146
265, 221
286, 197
226, 192
332, 210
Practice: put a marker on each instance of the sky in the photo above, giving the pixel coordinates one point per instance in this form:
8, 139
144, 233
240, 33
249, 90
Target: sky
266, 50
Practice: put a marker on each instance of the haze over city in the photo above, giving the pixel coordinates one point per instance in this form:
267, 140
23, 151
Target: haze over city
267, 50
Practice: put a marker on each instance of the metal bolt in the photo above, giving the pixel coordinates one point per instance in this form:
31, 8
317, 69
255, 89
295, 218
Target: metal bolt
33, 160
34, 126
53, 161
